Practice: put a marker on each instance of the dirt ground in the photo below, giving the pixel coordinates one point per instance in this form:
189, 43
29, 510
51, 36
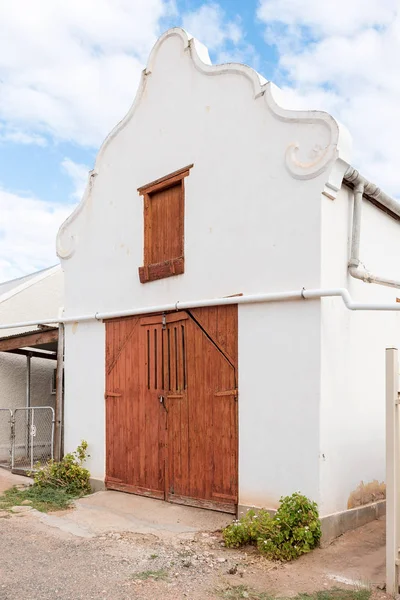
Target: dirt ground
102, 556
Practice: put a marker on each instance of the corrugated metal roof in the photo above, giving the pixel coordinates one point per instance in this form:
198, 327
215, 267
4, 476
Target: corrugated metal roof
26, 333
7, 286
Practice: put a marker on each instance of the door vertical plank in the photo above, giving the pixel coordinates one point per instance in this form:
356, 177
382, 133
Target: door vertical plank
168, 418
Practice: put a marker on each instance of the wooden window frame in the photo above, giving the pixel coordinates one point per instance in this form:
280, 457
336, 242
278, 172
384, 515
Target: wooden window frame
176, 264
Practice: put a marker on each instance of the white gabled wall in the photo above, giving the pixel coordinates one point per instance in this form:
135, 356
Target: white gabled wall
352, 445
250, 227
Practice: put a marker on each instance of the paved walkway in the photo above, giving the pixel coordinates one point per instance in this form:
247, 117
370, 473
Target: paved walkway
7, 480
109, 511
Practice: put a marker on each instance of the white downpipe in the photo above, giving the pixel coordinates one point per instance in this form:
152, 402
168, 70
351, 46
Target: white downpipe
356, 268
373, 191
302, 294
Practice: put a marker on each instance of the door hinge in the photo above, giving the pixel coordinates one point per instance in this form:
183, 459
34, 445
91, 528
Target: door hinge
164, 321
233, 393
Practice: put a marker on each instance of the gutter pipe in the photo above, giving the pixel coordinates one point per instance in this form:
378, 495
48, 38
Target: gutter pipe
302, 294
363, 186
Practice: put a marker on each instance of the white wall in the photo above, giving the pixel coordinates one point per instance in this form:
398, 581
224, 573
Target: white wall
250, 226
279, 362
13, 372
84, 392
352, 446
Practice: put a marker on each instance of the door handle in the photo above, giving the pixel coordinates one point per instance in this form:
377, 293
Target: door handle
162, 401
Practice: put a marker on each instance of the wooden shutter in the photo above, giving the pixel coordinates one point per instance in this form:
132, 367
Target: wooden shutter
164, 215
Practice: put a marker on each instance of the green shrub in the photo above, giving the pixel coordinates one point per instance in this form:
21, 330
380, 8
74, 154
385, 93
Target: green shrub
294, 529
44, 499
245, 530
68, 474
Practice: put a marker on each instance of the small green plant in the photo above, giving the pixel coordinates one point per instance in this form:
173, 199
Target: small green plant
42, 499
294, 529
246, 530
153, 556
68, 474
154, 575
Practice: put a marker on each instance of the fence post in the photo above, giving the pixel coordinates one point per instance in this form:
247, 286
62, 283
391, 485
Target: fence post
392, 472
59, 412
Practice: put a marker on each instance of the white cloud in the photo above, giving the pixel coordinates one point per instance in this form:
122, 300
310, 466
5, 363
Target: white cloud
27, 233
79, 175
20, 137
210, 26
350, 68
70, 69
327, 18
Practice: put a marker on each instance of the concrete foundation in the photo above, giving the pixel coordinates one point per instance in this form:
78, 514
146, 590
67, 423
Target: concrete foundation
335, 525
97, 485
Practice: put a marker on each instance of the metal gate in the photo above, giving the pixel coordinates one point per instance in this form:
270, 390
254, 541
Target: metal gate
26, 437
6, 426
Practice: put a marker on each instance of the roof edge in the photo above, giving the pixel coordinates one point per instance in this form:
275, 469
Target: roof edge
24, 286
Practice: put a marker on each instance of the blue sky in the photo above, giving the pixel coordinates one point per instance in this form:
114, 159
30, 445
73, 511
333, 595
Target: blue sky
69, 71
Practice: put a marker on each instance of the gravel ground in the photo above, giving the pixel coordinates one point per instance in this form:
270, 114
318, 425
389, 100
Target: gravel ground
39, 562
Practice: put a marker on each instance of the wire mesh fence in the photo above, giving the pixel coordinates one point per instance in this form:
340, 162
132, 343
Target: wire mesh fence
6, 429
33, 437
26, 437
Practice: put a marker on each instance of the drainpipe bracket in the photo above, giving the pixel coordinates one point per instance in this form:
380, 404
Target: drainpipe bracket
354, 263
359, 272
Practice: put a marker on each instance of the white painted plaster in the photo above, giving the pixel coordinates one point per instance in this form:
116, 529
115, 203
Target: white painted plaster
84, 416
352, 422
279, 357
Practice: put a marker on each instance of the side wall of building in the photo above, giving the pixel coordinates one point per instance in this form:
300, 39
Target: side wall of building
352, 444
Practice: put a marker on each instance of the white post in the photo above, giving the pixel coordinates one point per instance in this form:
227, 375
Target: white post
28, 403
392, 472
59, 405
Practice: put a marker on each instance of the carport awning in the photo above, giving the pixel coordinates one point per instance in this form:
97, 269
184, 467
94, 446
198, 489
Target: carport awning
41, 344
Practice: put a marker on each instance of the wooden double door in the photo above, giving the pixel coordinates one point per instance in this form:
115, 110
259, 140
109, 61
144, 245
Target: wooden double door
171, 406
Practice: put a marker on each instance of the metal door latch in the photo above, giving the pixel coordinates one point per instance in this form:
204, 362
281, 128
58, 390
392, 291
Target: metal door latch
162, 401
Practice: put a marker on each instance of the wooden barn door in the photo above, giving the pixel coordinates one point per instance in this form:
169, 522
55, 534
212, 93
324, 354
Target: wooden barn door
172, 406
135, 425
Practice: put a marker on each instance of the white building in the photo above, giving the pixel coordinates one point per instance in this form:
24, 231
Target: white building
209, 189
28, 354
